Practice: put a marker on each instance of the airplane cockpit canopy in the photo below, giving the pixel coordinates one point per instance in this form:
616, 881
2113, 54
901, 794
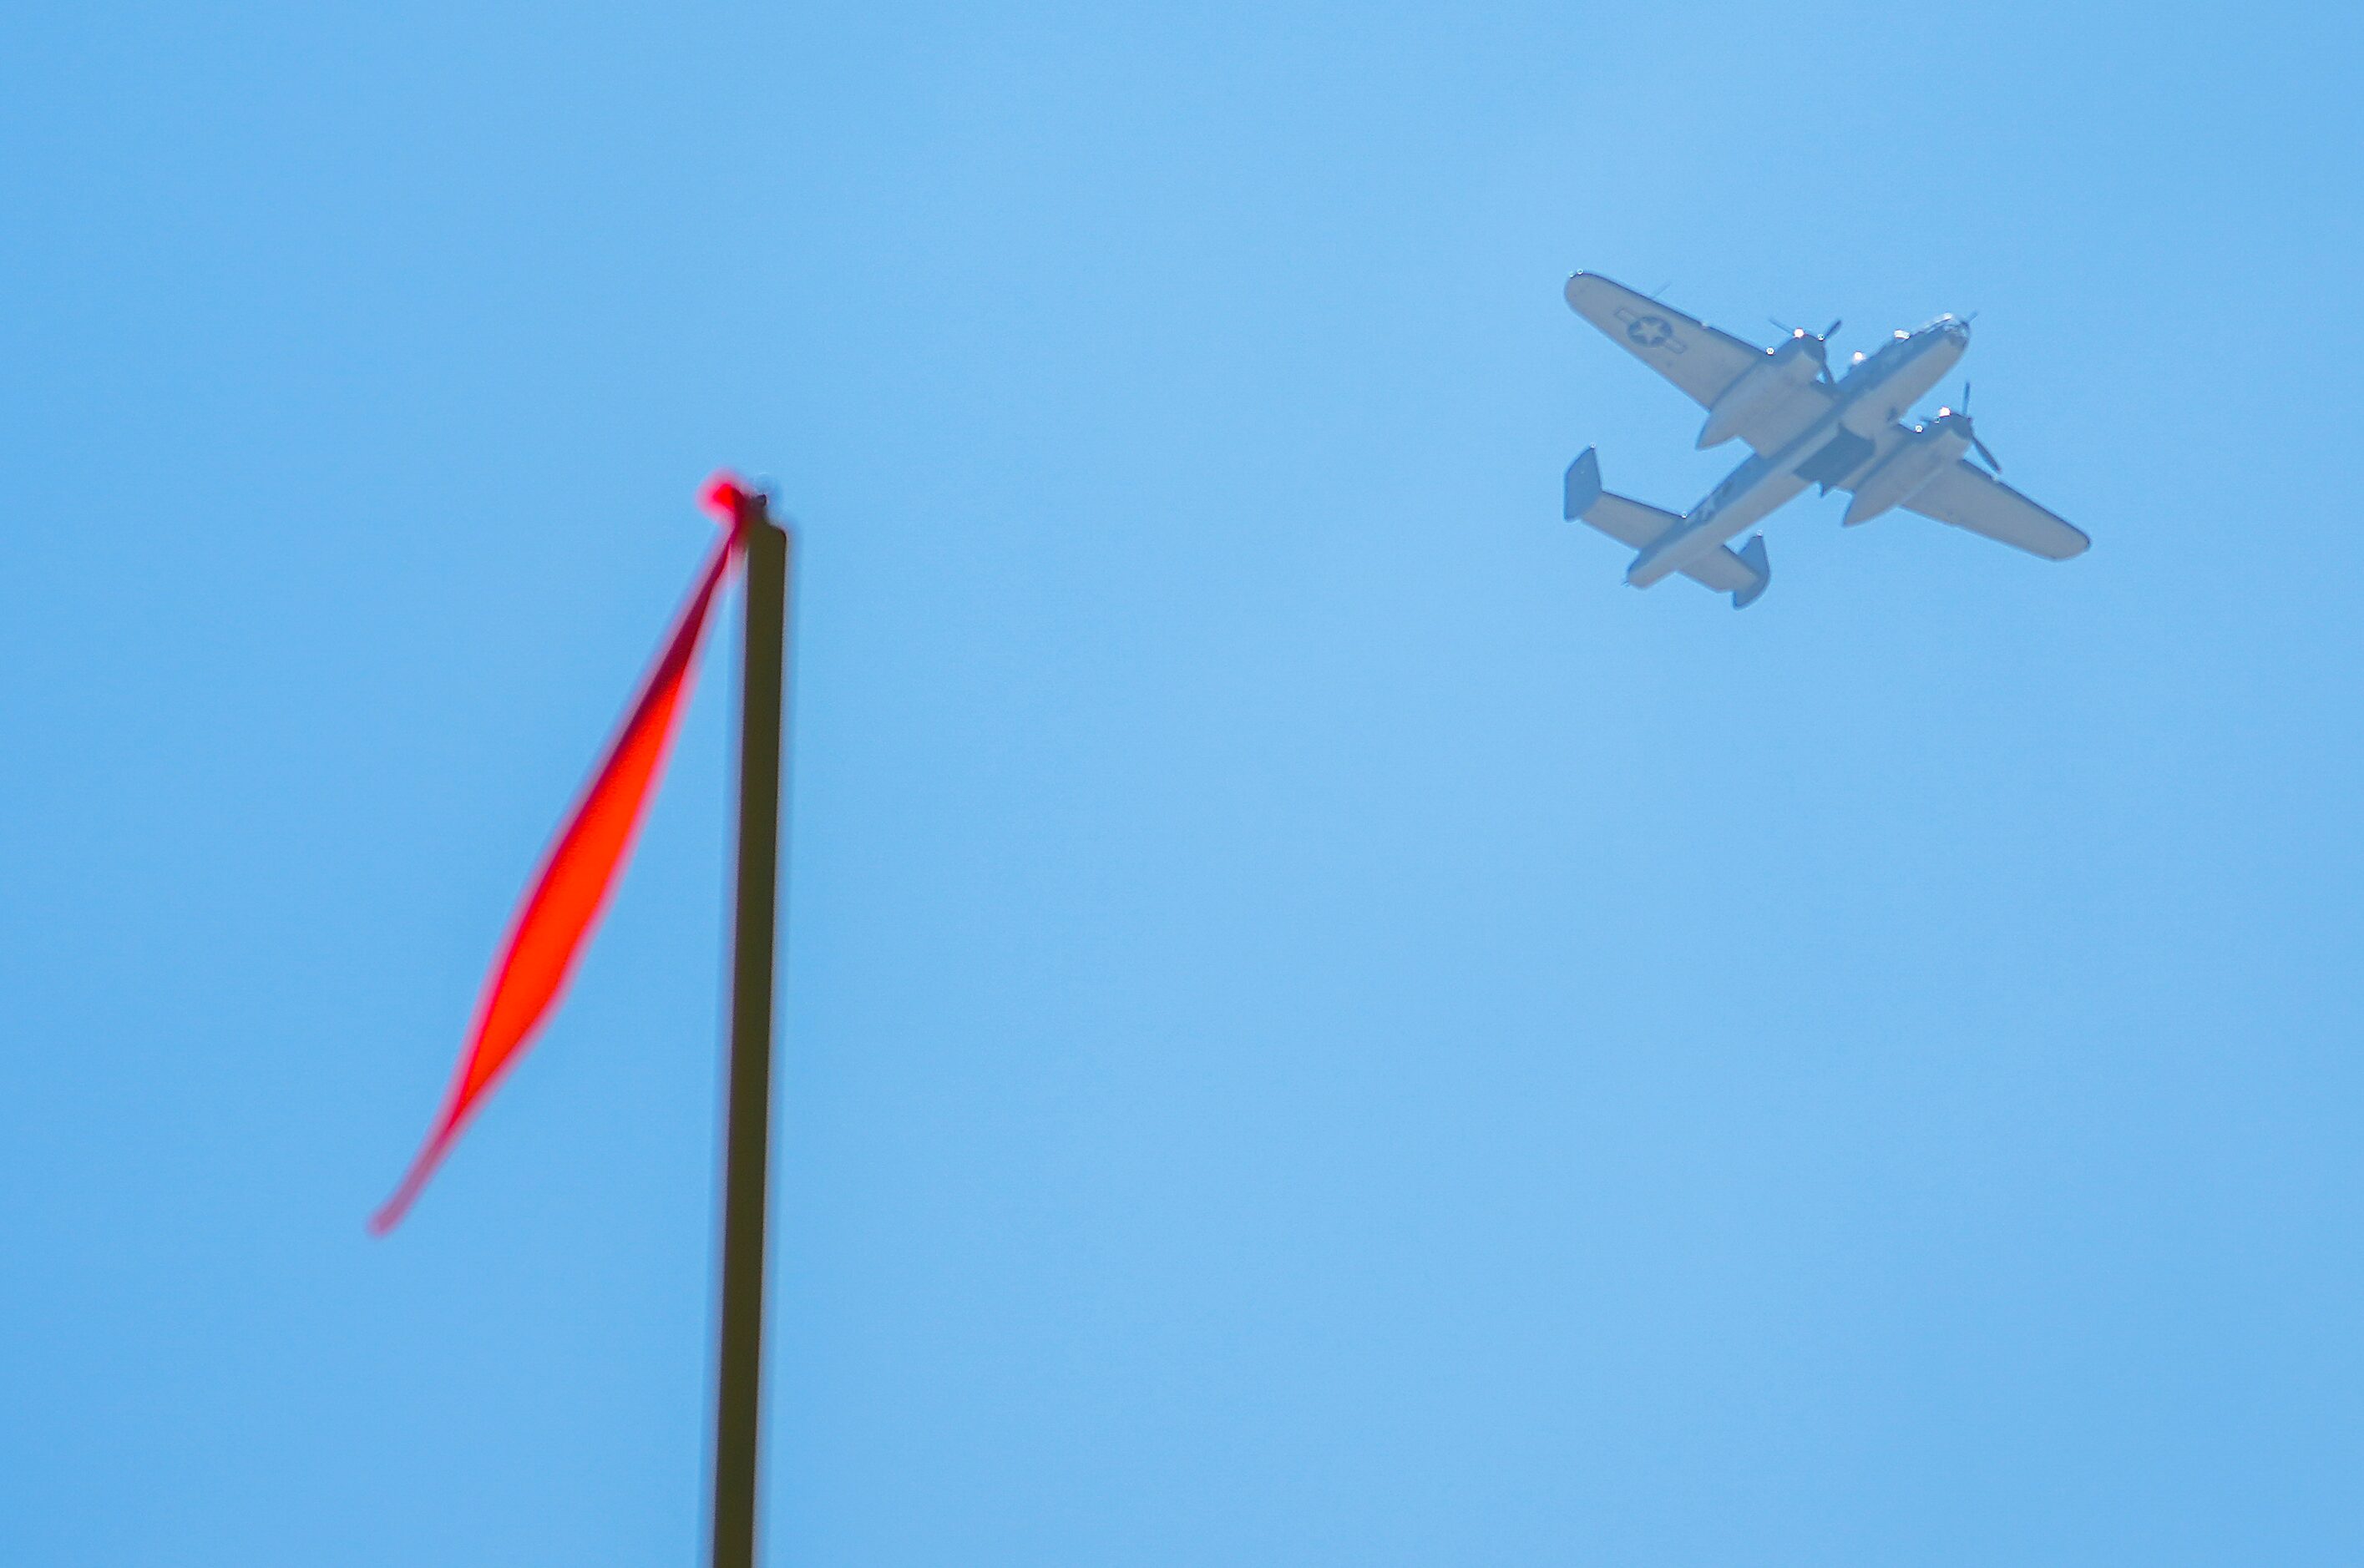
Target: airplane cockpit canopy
1895, 341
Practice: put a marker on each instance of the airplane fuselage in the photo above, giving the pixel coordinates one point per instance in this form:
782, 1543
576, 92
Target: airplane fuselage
1874, 393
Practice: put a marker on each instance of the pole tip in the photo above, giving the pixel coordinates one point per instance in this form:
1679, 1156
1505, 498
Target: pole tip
738, 504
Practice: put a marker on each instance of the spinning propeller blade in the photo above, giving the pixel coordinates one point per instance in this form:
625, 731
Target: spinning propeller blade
1969, 432
1821, 341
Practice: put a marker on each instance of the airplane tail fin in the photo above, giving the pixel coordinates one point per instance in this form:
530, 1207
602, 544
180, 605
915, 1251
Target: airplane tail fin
1581, 489
1751, 556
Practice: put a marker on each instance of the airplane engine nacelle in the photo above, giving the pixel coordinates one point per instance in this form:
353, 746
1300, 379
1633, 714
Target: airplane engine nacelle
1779, 373
1901, 475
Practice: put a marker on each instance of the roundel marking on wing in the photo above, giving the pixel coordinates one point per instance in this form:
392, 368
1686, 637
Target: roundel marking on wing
1649, 331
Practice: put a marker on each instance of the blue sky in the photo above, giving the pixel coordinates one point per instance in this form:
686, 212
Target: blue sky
1321, 1028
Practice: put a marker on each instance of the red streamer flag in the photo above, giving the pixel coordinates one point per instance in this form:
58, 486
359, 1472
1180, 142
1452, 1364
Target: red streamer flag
548, 933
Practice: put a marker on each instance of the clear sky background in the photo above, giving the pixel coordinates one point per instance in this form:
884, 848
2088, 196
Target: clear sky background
1321, 1028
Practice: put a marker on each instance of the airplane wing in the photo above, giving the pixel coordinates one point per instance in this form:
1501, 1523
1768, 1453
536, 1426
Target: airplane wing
1702, 361
1967, 496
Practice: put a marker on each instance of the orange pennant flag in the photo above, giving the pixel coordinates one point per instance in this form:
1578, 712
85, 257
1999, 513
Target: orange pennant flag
550, 929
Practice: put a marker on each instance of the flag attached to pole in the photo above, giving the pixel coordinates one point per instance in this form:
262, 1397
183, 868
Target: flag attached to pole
551, 927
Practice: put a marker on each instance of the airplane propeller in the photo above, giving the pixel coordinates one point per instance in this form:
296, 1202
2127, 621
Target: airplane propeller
1961, 418
1818, 343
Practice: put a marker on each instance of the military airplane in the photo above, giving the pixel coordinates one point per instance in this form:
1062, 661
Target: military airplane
1806, 427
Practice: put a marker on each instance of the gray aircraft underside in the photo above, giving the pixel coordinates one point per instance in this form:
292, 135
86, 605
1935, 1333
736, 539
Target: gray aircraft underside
1804, 427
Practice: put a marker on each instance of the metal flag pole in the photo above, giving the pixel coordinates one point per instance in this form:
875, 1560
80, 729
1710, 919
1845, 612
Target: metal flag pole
739, 1364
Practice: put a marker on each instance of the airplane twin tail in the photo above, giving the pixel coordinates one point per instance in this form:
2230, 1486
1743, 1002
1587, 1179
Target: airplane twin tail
1744, 574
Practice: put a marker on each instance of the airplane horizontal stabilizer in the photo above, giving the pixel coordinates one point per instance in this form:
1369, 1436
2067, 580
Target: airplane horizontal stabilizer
1744, 574
1626, 522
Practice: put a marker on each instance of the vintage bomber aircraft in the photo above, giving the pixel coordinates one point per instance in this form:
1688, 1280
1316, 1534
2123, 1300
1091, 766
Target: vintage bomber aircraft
1807, 427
